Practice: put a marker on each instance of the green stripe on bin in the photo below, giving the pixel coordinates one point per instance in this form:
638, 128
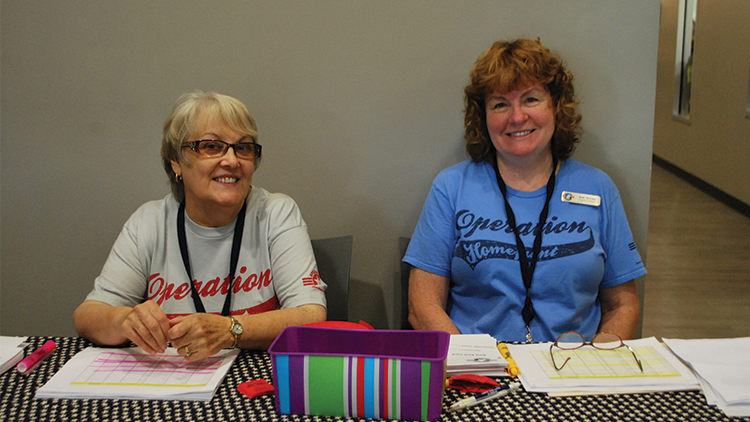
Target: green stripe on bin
326, 385
425, 388
395, 390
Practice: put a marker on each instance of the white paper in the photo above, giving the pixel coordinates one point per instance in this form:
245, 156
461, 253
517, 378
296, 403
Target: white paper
602, 371
475, 354
723, 366
131, 373
11, 352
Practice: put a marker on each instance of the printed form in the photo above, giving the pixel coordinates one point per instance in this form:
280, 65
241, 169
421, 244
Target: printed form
131, 373
596, 371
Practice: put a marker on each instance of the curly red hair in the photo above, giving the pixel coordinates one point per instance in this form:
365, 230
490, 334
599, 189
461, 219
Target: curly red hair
507, 66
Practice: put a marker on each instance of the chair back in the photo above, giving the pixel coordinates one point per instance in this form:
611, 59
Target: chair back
334, 257
403, 244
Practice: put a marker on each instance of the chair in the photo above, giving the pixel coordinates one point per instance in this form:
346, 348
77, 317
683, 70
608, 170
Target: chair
334, 257
403, 244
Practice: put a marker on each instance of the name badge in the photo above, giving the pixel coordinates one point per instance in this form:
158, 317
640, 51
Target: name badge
581, 198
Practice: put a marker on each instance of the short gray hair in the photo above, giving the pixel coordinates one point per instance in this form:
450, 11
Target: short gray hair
181, 123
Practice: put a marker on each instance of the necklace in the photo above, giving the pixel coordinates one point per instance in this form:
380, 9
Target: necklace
239, 227
527, 266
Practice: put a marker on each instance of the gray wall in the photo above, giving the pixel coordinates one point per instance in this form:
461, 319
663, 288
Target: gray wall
359, 106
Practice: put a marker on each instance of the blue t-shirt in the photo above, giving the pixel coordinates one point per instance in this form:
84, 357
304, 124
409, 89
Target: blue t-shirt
463, 234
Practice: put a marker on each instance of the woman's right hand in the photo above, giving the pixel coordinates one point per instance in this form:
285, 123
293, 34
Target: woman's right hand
146, 325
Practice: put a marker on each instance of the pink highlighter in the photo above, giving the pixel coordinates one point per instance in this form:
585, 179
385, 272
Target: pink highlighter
25, 366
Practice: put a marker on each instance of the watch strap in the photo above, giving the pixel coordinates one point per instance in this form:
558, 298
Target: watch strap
231, 329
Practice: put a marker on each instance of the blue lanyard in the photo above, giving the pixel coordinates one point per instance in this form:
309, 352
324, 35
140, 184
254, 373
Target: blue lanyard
527, 267
239, 227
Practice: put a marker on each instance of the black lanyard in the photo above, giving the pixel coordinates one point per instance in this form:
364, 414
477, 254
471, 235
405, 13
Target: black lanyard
527, 267
239, 227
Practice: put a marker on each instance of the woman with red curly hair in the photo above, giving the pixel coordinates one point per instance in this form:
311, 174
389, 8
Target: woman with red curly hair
522, 242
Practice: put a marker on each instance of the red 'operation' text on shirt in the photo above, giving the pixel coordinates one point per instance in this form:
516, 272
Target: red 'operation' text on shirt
160, 290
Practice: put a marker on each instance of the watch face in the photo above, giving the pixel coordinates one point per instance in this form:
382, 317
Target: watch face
237, 328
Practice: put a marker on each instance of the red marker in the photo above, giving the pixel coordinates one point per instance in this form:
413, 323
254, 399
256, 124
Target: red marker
25, 366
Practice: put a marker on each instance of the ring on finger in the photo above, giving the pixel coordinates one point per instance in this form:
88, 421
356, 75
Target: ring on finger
187, 352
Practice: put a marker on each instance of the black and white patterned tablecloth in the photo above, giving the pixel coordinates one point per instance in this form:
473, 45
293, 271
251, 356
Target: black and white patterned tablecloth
18, 402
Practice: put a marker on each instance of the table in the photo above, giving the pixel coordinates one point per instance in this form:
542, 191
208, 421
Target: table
18, 402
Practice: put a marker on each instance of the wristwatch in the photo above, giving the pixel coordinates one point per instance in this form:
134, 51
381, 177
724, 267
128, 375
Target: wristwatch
236, 330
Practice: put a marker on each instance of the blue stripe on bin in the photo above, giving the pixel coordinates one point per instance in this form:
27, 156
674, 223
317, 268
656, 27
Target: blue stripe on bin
282, 369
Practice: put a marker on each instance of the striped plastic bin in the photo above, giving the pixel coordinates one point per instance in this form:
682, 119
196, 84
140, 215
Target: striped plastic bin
384, 374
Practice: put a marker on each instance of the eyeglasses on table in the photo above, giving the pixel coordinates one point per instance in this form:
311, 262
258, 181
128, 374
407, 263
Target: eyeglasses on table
571, 340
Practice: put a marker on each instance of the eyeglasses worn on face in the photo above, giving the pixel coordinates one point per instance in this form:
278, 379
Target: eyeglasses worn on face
214, 148
572, 340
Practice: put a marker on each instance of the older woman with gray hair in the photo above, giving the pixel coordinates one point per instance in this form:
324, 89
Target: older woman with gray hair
218, 263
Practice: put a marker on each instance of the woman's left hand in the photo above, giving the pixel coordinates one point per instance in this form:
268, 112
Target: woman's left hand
200, 335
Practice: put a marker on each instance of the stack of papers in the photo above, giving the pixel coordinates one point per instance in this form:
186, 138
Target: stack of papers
475, 354
11, 352
723, 368
131, 373
592, 371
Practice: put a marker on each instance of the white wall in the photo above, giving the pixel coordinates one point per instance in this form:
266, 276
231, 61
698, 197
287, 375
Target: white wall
715, 145
359, 106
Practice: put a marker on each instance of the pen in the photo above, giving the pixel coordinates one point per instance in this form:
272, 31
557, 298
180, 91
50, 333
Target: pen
25, 366
498, 392
512, 368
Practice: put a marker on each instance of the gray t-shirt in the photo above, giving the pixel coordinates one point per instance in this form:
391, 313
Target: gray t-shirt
276, 267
